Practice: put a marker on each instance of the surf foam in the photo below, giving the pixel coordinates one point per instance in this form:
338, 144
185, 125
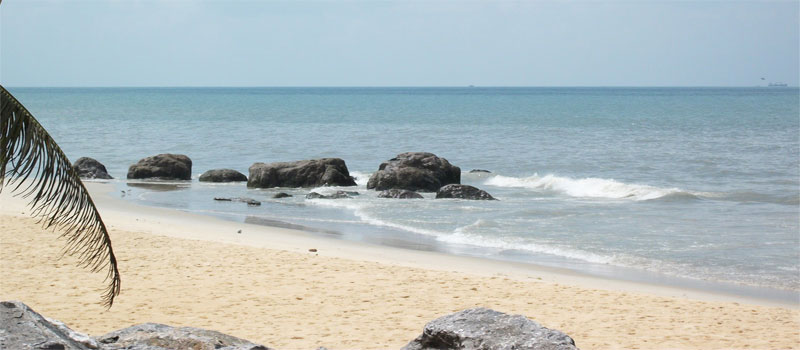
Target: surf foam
585, 188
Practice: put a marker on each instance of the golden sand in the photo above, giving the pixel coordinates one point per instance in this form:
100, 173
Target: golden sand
294, 299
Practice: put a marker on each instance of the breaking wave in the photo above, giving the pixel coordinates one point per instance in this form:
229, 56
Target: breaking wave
587, 187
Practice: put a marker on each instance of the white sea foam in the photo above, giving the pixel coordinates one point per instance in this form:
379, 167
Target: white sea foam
586, 187
461, 236
359, 209
361, 178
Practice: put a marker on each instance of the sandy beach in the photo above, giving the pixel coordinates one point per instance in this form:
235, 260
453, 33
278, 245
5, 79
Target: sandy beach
264, 285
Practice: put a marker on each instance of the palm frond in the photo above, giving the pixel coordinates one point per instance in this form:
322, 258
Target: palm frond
32, 165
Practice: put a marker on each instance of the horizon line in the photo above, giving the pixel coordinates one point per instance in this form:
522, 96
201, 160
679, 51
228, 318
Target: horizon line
384, 86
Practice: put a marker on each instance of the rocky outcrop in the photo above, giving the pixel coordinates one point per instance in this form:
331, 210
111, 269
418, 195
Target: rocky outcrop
463, 192
414, 171
249, 201
222, 175
163, 166
305, 173
23, 328
398, 193
154, 336
478, 329
90, 168
485, 329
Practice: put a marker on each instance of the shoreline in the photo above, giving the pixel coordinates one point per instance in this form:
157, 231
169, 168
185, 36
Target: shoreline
264, 285
617, 277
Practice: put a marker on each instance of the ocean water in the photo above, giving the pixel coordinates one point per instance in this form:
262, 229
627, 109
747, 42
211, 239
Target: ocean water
660, 184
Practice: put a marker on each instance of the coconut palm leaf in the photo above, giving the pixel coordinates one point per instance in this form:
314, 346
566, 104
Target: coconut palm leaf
33, 166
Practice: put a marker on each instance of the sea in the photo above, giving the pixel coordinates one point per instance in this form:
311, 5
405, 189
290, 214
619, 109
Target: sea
695, 187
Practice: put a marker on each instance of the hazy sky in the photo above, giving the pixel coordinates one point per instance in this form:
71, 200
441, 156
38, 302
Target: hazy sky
403, 43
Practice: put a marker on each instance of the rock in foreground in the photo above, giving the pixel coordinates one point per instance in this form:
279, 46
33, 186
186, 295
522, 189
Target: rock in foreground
398, 193
485, 329
463, 192
414, 171
90, 168
163, 166
154, 336
23, 328
304, 173
222, 175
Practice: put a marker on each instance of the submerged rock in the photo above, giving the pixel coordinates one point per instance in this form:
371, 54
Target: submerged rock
337, 195
463, 192
414, 171
23, 328
486, 329
90, 168
398, 193
479, 171
222, 175
163, 166
281, 195
249, 201
304, 173
154, 336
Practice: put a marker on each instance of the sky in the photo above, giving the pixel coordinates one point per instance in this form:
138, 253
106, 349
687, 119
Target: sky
398, 43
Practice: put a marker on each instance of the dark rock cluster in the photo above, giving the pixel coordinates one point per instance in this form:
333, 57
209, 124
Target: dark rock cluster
399, 177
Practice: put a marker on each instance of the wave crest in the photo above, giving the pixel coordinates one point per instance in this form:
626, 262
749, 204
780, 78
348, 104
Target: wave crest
586, 188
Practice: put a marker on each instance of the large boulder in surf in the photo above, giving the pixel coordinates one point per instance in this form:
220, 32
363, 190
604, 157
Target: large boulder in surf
463, 192
486, 329
154, 336
222, 175
304, 173
90, 168
163, 166
414, 171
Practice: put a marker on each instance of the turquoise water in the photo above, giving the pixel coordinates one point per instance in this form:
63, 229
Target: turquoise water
668, 184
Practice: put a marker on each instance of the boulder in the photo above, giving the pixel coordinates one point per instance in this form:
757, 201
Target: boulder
281, 195
90, 168
154, 336
249, 201
485, 329
23, 328
305, 173
163, 166
463, 192
222, 175
398, 193
414, 171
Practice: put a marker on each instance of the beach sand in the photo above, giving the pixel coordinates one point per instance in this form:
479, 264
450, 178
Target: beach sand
264, 285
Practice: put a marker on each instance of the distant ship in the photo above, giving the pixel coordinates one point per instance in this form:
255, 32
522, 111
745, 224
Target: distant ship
776, 84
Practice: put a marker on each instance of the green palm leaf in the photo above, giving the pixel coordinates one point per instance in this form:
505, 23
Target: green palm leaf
32, 165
